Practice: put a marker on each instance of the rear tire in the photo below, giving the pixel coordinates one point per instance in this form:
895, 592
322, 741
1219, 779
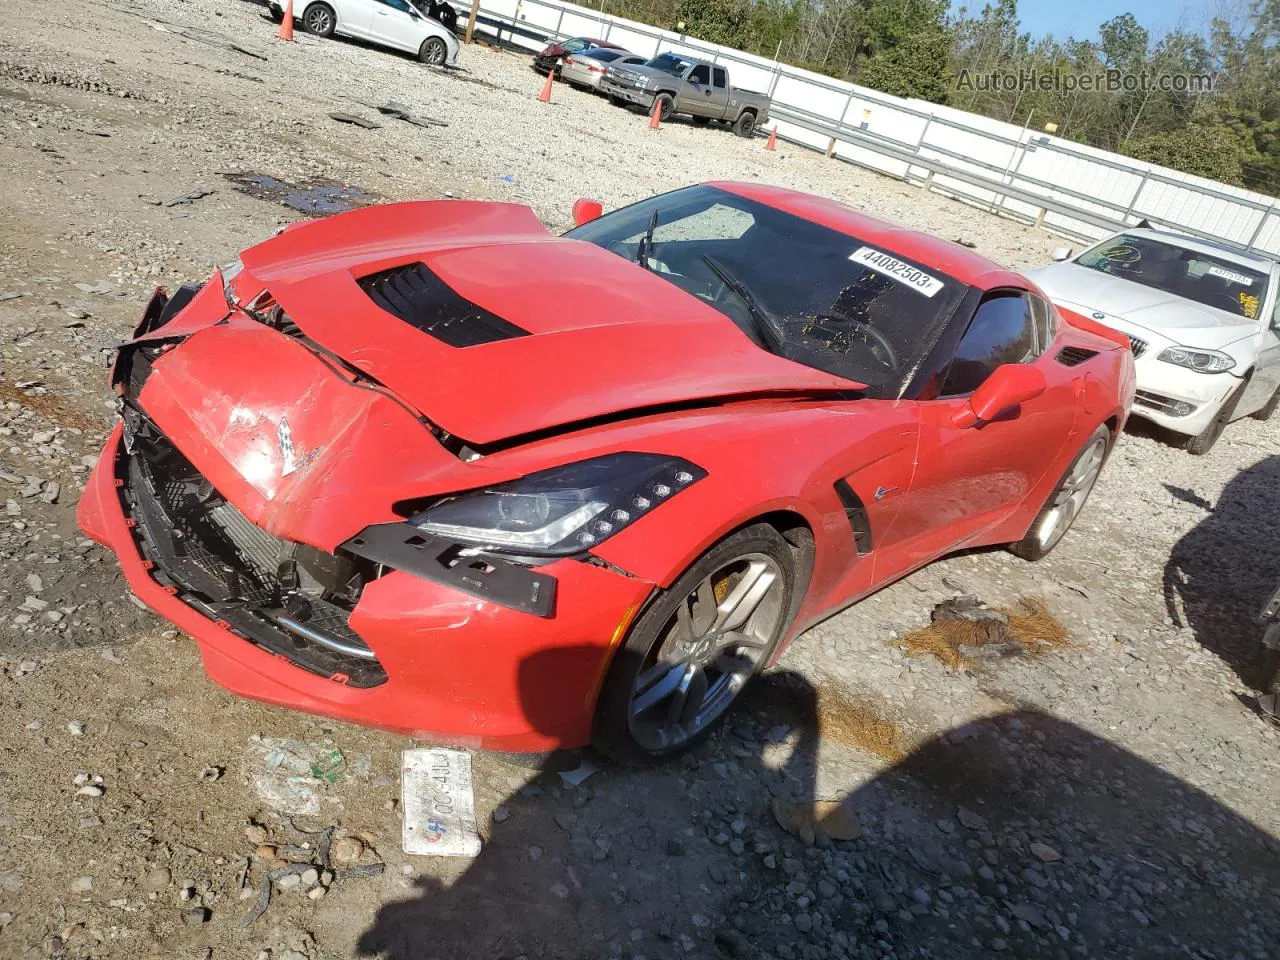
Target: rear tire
697, 645
433, 52
745, 125
320, 20
1067, 500
1201, 444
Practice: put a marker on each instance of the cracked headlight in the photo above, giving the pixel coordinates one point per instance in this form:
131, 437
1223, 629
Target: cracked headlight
1201, 361
564, 510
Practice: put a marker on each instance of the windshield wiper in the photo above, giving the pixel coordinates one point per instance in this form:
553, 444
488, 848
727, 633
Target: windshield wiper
646, 243
760, 317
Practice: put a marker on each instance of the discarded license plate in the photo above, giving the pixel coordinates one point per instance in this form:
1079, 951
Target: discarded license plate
438, 803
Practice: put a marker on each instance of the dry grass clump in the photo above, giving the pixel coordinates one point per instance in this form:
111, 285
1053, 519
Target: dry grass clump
1031, 628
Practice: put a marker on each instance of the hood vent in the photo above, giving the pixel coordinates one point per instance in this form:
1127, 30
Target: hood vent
414, 294
1074, 356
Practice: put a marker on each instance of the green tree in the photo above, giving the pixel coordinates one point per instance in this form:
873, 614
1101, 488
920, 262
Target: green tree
1196, 148
727, 22
916, 66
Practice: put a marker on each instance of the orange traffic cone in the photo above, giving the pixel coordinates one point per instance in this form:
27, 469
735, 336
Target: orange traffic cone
286, 22
545, 95
773, 139
655, 113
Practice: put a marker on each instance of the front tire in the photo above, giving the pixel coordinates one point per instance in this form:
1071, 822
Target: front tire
1067, 500
666, 106
1268, 411
694, 649
745, 125
1202, 443
320, 20
433, 52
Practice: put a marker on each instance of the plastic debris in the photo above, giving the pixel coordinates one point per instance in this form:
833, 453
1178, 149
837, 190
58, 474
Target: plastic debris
438, 803
290, 775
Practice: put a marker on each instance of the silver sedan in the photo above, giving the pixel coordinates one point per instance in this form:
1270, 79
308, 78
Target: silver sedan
587, 68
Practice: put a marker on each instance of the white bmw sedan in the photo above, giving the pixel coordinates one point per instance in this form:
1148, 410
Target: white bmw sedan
1203, 319
390, 23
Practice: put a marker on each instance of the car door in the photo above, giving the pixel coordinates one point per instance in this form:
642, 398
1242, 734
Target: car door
719, 92
969, 478
397, 24
355, 17
697, 91
1266, 371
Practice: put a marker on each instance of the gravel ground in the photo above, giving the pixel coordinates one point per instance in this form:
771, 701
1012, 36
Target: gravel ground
1115, 797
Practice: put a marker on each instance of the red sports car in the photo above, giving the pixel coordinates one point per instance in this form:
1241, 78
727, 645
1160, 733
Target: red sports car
431, 468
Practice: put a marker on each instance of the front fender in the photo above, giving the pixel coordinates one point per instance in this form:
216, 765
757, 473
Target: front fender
785, 462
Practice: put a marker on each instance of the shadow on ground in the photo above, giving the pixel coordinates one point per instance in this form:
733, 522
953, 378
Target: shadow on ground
1021, 835
1221, 573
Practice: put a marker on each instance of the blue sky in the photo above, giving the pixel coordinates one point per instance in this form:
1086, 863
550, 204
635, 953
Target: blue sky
1081, 18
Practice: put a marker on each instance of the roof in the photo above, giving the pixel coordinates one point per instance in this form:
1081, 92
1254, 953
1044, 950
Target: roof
1216, 248
959, 262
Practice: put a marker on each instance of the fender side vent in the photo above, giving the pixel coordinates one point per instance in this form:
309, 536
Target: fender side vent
1074, 356
414, 294
857, 514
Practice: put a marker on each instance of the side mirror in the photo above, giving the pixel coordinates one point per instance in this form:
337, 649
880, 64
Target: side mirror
1062, 253
584, 210
1008, 386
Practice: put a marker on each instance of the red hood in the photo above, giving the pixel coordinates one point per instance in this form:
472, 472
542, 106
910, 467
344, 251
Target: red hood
605, 335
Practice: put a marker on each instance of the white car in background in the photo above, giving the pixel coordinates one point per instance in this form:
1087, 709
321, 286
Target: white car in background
389, 23
1201, 317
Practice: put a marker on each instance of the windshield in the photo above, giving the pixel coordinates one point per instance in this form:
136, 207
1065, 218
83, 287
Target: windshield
1196, 276
670, 63
573, 46
604, 56
819, 297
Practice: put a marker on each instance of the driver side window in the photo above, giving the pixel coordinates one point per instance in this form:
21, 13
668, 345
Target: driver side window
1002, 331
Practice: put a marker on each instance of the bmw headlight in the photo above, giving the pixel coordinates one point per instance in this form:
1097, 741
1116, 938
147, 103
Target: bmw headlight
1201, 361
564, 510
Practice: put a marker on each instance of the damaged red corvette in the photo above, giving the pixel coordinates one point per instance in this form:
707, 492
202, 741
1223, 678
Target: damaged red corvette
430, 468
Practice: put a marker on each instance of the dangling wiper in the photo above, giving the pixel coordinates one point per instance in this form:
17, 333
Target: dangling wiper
646, 243
761, 319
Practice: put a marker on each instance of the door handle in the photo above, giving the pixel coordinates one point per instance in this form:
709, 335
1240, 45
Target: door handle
706, 93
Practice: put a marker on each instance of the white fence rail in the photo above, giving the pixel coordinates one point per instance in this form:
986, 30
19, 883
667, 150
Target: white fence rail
1070, 188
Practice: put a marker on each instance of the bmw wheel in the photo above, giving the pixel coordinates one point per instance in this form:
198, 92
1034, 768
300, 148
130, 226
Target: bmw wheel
1202, 443
1268, 411
320, 20
433, 52
1067, 500
692, 652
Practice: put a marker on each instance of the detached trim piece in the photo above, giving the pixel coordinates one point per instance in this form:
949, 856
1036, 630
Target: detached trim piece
414, 294
403, 546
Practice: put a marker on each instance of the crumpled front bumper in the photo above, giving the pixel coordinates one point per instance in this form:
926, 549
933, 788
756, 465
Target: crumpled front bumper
460, 669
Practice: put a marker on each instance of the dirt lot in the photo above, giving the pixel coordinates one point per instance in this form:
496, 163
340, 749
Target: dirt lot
1115, 796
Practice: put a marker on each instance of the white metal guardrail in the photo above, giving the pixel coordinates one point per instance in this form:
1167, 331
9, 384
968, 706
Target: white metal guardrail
1069, 187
